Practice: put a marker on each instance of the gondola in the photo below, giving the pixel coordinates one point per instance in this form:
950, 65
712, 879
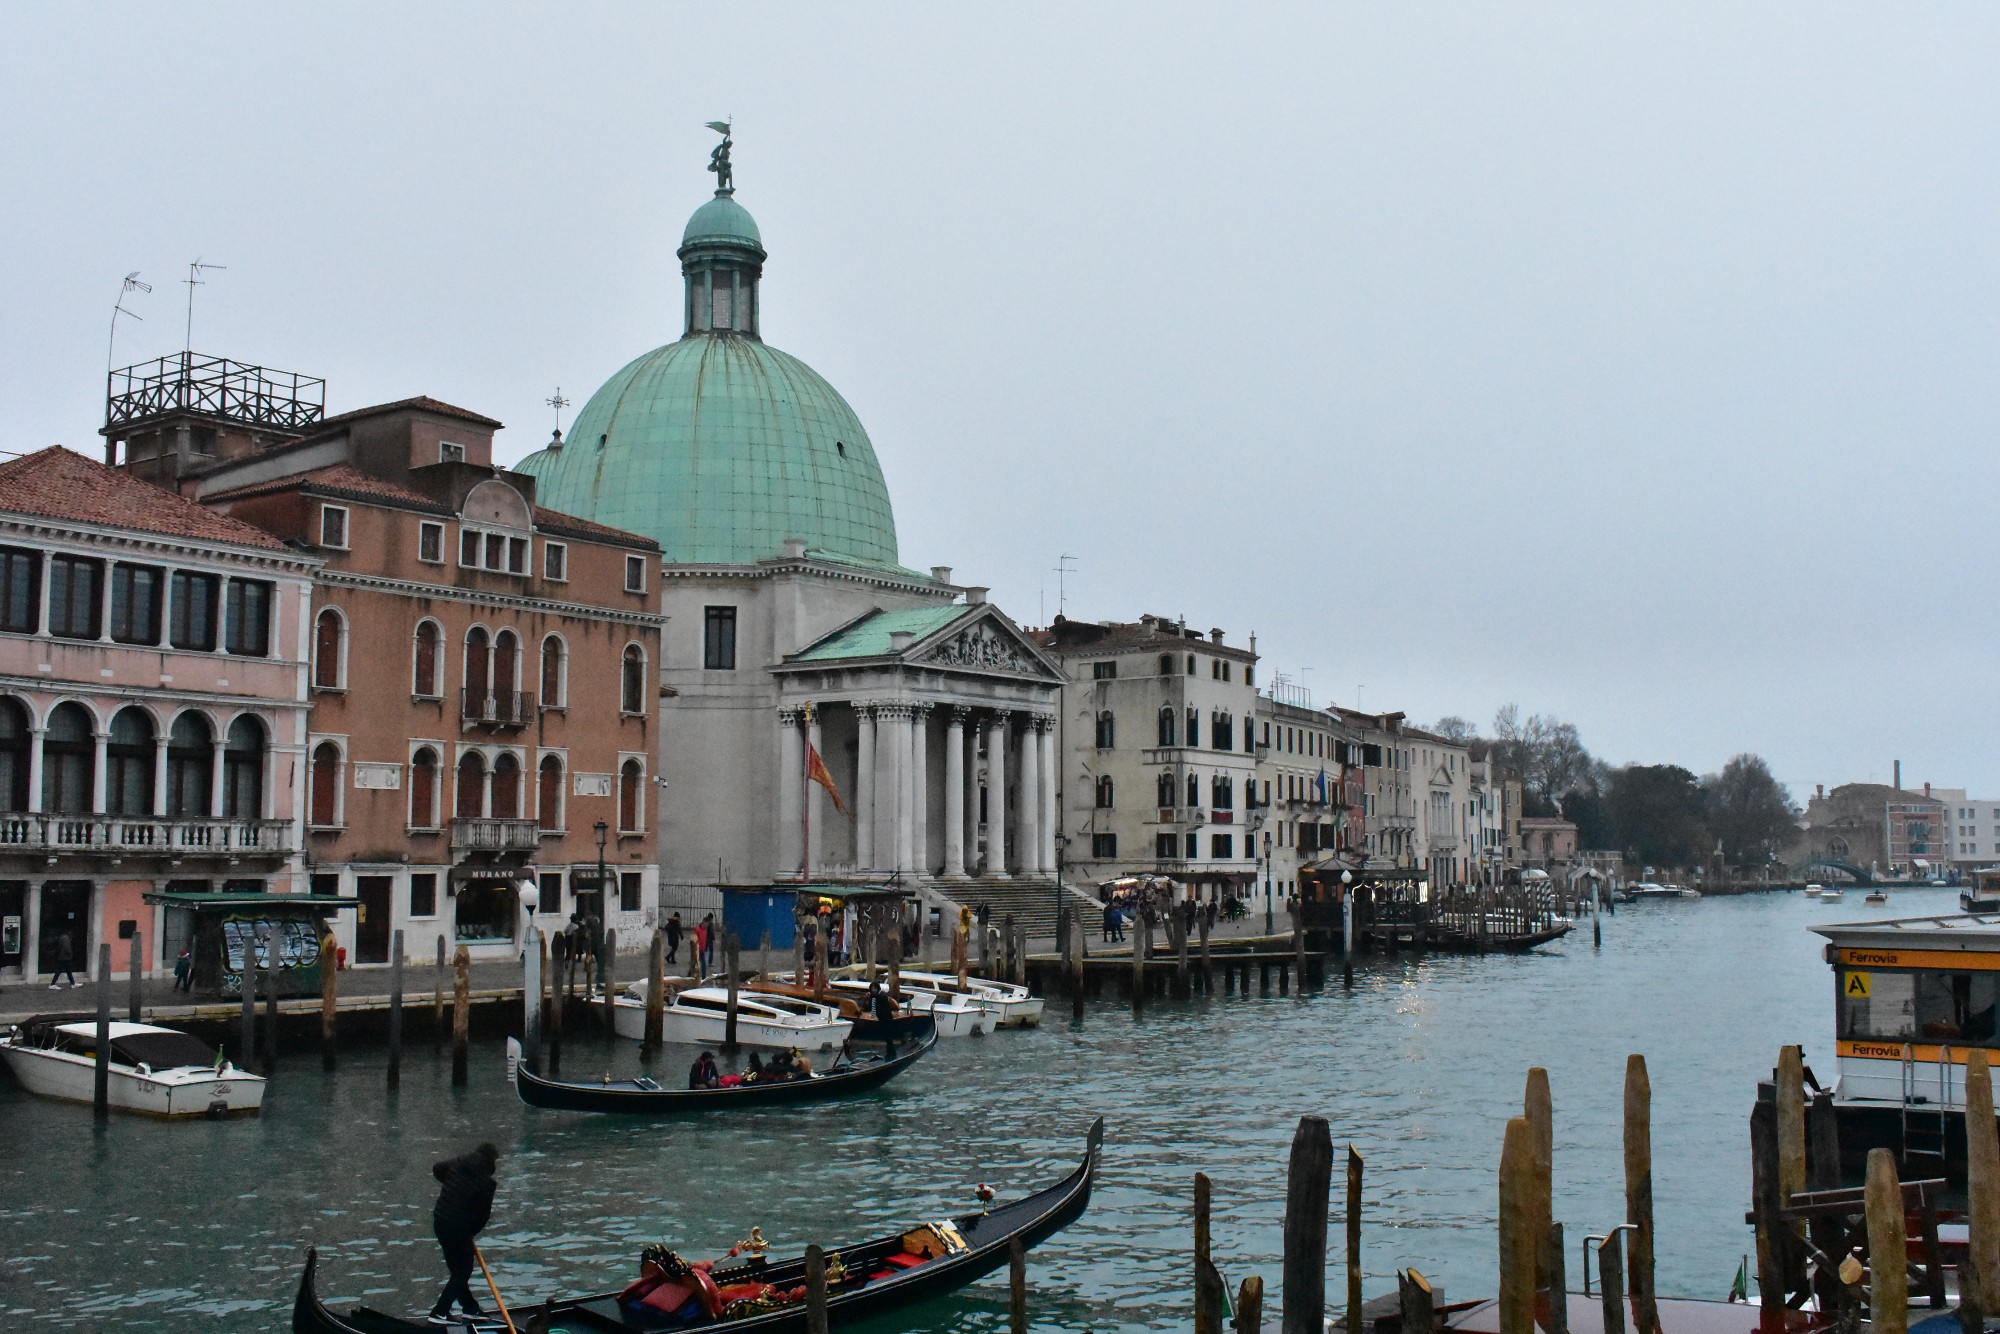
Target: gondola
875, 1277
645, 1096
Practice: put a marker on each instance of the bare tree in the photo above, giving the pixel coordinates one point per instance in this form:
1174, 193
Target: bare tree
1454, 728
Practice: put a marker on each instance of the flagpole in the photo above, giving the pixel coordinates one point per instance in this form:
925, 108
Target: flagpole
806, 800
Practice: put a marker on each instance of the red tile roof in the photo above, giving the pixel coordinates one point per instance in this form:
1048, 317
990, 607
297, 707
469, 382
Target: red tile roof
421, 403
556, 522
338, 479
58, 483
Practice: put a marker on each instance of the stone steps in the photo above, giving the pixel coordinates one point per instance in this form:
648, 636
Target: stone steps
1032, 902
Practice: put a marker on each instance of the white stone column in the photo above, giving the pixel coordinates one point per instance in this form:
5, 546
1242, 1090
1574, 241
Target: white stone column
816, 804
97, 774
996, 794
920, 789
864, 787
36, 736
216, 772
892, 760
1027, 800
954, 793
1045, 736
970, 803
791, 778
160, 776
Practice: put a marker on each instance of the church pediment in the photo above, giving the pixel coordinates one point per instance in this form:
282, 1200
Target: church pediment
978, 639
988, 643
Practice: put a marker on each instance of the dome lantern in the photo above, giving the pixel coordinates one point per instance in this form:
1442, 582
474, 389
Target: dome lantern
722, 255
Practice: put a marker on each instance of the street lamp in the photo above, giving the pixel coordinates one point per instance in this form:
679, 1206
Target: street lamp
1268, 927
603, 901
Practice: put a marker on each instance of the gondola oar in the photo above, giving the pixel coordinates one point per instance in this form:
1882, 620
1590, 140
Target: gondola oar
494, 1288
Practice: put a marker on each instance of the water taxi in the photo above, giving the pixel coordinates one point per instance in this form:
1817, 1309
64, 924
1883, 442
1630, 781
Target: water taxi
955, 1017
1984, 896
1814, 891
154, 1071
1914, 995
1011, 1005
1832, 894
700, 1016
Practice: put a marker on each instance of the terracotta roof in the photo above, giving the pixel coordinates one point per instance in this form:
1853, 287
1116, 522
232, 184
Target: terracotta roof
58, 483
421, 403
338, 479
1160, 634
555, 521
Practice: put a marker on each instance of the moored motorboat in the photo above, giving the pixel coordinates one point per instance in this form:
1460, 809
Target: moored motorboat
909, 1025
644, 1096
1875, 898
1012, 1005
867, 1279
701, 1015
1814, 891
153, 1071
955, 1016
1832, 894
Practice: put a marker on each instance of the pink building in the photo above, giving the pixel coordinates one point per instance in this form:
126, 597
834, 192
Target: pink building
152, 713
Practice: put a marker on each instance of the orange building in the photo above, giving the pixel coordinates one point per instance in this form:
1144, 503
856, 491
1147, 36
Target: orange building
482, 675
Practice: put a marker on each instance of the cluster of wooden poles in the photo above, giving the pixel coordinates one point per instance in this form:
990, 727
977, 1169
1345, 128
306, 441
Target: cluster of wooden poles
1193, 966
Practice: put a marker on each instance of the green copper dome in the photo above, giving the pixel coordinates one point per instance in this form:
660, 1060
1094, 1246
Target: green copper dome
717, 446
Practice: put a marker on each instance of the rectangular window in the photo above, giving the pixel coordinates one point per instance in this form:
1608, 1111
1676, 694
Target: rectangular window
20, 590
517, 555
718, 639
76, 594
1221, 846
635, 574
450, 453
1103, 671
555, 561
135, 603
496, 551
1192, 845
423, 894
468, 548
1104, 847
551, 904
248, 624
430, 543
333, 526
192, 598
628, 891
1166, 846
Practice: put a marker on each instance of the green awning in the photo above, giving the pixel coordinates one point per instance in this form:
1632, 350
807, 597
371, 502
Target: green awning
275, 902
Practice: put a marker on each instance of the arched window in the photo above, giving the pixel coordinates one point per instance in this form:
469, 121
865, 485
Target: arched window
190, 767
1222, 793
471, 785
555, 673
424, 789
1104, 792
243, 770
428, 657
15, 738
1167, 791
631, 777
632, 680
506, 667
69, 761
478, 672
549, 793
1193, 791
128, 764
325, 801
507, 787
1166, 725
1194, 727
1107, 730
329, 651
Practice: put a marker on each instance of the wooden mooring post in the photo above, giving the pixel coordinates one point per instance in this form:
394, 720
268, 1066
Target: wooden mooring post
730, 964
1353, 1238
329, 1001
246, 1053
1539, 1110
133, 978
1207, 971
1207, 1282
1077, 949
531, 999
100, 1095
1140, 942
656, 994
1517, 1228
1555, 1265
396, 1008
1639, 1193
1017, 1287
1888, 1268
271, 1001
1611, 1280
558, 997
437, 999
461, 1014
1250, 1306
815, 1290
1308, 1186
1416, 1302
607, 973
1982, 1181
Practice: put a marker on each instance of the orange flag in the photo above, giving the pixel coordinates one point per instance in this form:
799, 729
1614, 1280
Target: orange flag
816, 772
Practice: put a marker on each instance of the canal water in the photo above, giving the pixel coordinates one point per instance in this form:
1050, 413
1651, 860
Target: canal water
201, 1226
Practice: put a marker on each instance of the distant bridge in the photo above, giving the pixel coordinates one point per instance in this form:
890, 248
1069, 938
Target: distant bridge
1859, 875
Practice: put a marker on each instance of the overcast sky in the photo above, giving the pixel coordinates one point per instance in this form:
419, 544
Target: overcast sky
1634, 364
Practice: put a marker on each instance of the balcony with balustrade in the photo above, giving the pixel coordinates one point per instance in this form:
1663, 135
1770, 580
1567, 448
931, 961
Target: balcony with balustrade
494, 835
496, 708
113, 836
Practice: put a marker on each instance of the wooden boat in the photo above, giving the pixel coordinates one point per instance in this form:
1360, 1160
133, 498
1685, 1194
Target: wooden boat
699, 1015
955, 1017
882, 1275
1459, 942
645, 1096
154, 1071
1012, 1005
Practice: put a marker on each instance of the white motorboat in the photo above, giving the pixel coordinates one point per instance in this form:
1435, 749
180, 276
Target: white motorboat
1814, 891
1647, 889
700, 1016
1832, 894
1011, 1005
955, 1016
154, 1071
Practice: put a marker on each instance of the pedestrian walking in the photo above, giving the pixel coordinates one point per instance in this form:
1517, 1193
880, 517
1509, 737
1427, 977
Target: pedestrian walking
65, 962
1110, 922
184, 969
707, 943
674, 938
464, 1204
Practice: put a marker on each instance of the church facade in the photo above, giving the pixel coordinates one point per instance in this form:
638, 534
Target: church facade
791, 625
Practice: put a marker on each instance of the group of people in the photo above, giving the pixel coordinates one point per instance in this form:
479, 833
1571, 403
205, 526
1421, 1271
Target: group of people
701, 942
1145, 902
791, 1063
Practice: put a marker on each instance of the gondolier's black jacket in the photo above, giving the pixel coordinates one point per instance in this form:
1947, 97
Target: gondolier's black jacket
466, 1201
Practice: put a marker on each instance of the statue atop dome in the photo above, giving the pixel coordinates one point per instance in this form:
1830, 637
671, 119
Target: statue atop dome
718, 159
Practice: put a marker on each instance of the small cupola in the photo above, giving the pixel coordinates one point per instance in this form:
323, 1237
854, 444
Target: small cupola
722, 259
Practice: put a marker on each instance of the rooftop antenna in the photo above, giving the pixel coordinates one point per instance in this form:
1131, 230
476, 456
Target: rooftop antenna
558, 402
194, 279
132, 284
1064, 564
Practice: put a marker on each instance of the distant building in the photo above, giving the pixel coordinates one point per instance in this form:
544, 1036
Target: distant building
1972, 829
1873, 828
1310, 790
1389, 834
1159, 722
1548, 843
152, 711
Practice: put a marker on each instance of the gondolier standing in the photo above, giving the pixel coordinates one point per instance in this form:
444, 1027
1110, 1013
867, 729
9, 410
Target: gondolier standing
463, 1206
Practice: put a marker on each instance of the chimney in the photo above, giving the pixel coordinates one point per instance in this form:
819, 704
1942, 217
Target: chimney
1899, 775
1927, 789
1819, 790
975, 596
1215, 635
795, 548
900, 641
941, 573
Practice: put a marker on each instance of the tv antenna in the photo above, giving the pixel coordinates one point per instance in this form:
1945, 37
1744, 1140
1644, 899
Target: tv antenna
194, 279
1064, 564
132, 284
558, 402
